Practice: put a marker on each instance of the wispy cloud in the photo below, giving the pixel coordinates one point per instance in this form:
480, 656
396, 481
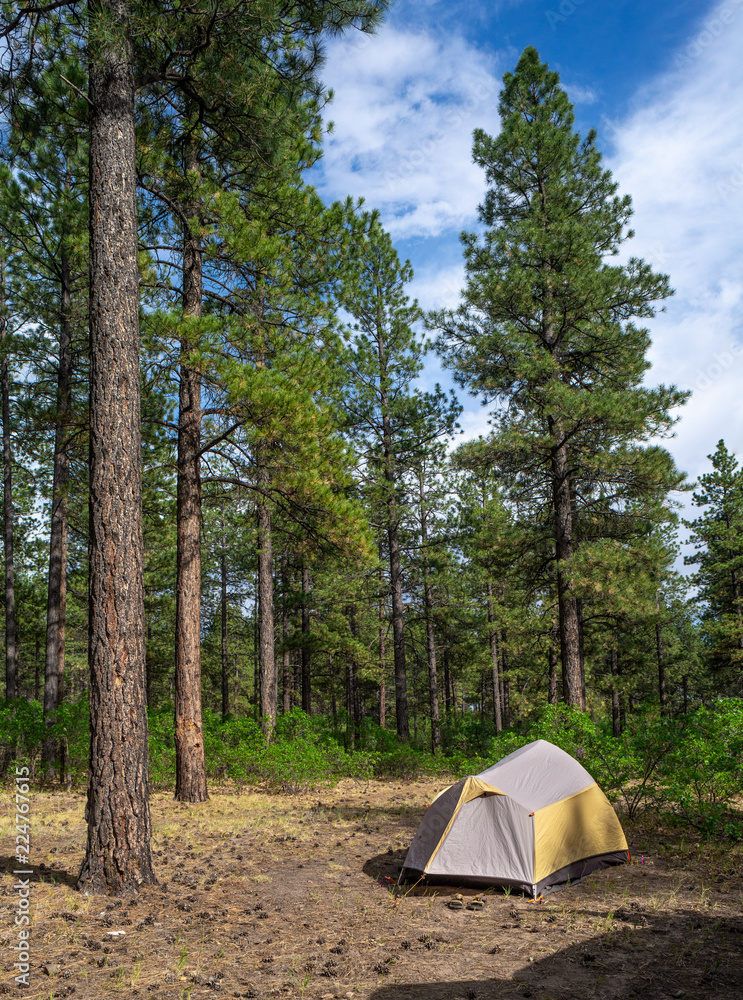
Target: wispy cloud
680, 156
405, 107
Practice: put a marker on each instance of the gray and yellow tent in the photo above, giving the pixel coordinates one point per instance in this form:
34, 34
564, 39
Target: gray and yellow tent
534, 821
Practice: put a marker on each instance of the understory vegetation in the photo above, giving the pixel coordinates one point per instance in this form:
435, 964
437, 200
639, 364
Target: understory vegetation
689, 769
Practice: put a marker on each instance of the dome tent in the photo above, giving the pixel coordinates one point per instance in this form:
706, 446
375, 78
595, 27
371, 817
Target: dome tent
534, 821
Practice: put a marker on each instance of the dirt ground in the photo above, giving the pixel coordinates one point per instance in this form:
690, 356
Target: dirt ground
291, 896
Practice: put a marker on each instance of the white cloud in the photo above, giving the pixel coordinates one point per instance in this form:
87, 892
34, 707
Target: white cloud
680, 156
405, 107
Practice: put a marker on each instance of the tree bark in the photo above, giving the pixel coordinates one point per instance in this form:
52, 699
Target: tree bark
286, 662
393, 541
447, 682
736, 588
494, 661
57, 580
616, 721
433, 683
266, 654
224, 657
11, 633
661, 659
306, 652
354, 694
118, 856
382, 647
553, 658
333, 702
190, 762
505, 685
568, 605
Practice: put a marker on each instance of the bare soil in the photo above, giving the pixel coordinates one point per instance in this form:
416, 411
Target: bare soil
293, 896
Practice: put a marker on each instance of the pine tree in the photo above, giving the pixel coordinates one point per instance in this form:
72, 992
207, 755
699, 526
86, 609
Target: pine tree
717, 535
389, 419
546, 328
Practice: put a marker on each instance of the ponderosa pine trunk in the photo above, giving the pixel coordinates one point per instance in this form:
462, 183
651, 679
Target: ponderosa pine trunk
354, 693
736, 587
553, 658
267, 673
568, 605
118, 856
382, 646
494, 661
190, 761
433, 683
660, 654
306, 651
224, 655
616, 722
393, 537
286, 661
11, 633
54, 662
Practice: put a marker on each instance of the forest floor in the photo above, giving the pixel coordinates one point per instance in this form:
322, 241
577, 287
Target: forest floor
290, 896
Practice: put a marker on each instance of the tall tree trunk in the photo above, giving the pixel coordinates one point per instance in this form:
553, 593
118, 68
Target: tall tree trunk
505, 685
661, 658
382, 646
190, 762
56, 604
433, 683
553, 658
286, 661
568, 605
11, 634
225, 665
447, 682
685, 684
494, 660
333, 702
267, 661
581, 653
353, 681
256, 637
393, 542
306, 652
616, 722
736, 588
118, 856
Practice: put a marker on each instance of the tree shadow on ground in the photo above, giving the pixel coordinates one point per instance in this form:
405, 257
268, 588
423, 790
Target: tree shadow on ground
40, 872
684, 955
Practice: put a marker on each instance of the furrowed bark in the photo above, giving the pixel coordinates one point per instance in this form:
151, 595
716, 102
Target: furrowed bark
118, 856
393, 542
494, 661
382, 646
616, 723
568, 606
190, 762
54, 664
225, 659
266, 658
433, 684
286, 663
306, 653
11, 634
553, 658
660, 654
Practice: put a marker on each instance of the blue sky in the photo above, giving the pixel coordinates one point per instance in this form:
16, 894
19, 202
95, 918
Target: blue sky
661, 82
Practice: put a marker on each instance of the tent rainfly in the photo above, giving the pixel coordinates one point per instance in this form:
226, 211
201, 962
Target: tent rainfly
534, 821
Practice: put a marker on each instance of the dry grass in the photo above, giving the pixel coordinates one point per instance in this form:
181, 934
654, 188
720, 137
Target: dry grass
289, 896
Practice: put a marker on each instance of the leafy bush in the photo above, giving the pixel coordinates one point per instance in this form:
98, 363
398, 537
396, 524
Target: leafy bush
690, 768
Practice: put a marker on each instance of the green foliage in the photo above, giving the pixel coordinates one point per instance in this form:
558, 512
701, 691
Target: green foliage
690, 768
